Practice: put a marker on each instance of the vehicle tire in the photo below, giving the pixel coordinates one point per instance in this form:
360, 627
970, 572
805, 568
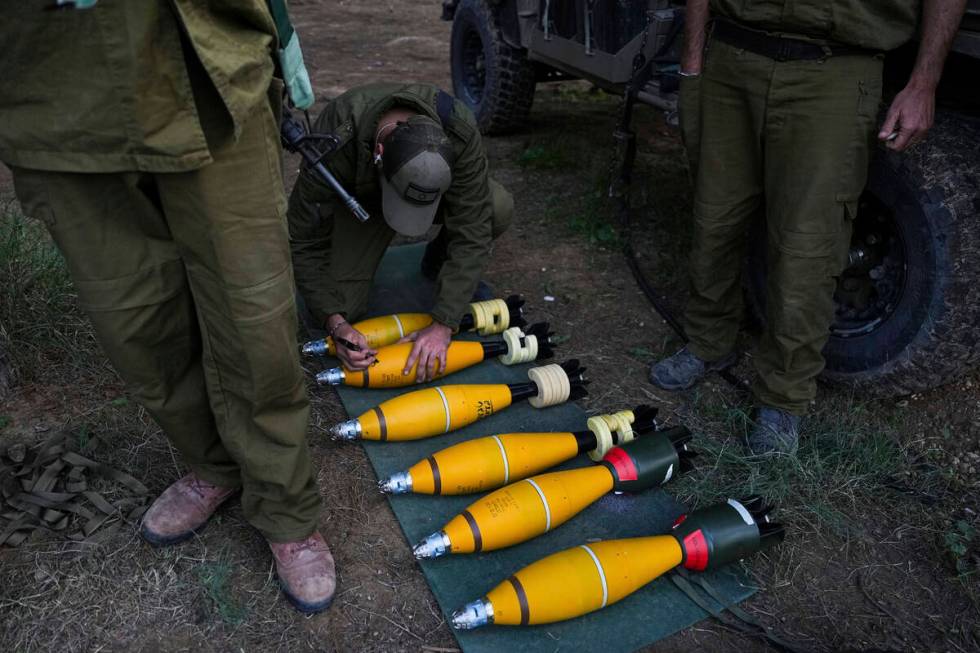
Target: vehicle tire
916, 325
491, 77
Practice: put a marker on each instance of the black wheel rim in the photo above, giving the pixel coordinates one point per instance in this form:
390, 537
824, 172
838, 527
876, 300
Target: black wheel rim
871, 288
474, 66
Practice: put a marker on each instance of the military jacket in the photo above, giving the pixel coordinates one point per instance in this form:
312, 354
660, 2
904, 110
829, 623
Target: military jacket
109, 88
872, 24
335, 256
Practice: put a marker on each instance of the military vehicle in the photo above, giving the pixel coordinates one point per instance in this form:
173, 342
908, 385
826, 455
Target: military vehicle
908, 306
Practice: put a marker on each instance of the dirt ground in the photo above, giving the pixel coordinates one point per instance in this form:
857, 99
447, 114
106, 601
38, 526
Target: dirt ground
883, 551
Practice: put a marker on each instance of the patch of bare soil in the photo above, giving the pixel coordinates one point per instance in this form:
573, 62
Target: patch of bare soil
869, 561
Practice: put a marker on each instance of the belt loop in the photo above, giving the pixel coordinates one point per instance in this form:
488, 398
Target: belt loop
827, 53
709, 31
783, 51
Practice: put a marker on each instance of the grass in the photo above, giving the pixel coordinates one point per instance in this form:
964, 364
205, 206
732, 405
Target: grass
215, 577
543, 157
41, 326
845, 458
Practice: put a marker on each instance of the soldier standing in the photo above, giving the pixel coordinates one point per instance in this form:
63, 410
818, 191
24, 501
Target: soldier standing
413, 156
143, 135
779, 101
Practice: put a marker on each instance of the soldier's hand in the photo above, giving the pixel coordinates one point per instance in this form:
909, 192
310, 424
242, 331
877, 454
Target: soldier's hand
909, 118
351, 358
429, 350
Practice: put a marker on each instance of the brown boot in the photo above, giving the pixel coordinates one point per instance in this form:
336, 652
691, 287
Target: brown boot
306, 572
182, 510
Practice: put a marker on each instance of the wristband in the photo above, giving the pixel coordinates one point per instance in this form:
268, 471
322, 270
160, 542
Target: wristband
331, 330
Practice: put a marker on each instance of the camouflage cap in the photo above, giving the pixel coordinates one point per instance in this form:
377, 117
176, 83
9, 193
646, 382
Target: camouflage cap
416, 171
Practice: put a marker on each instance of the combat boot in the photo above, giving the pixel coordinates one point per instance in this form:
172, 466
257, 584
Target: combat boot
182, 510
306, 571
684, 370
775, 432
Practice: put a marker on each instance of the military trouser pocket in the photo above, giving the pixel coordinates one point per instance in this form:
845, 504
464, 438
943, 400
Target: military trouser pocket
842, 253
869, 90
689, 115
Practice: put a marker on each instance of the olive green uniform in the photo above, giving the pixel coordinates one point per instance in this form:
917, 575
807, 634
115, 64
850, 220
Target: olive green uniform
143, 136
335, 255
790, 140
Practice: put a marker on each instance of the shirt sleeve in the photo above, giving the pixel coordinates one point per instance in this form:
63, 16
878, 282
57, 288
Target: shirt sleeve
468, 220
310, 241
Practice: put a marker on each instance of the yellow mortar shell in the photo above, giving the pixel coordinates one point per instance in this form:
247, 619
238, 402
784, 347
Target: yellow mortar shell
432, 411
387, 329
487, 463
387, 372
523, 510
577, 581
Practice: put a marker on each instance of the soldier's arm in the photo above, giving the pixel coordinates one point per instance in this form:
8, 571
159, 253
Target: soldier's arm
468, 211
695, 26
331, 294
310, 242
913, 109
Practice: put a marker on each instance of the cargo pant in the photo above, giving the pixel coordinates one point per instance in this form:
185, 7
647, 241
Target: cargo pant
188, 282
788, 142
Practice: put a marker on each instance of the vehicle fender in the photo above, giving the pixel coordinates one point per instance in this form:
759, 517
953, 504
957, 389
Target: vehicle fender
507, 17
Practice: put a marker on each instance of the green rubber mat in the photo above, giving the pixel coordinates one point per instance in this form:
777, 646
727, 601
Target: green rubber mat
643, 618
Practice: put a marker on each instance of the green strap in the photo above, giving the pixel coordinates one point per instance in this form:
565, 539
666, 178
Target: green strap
742, 621
294, 73
280, 15
47, 490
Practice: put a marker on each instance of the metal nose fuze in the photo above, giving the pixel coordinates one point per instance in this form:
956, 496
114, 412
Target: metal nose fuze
346, 430
473, 615
512, 347
315, 348
333, 376
400, 483
434, 411
526, 509
433, 546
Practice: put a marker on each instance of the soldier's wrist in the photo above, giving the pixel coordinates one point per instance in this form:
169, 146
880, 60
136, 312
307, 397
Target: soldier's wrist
334, 322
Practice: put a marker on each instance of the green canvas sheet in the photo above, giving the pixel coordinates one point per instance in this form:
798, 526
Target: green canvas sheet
647, 616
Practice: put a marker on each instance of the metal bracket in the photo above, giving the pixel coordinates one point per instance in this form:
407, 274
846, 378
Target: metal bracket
589, 15
546, 20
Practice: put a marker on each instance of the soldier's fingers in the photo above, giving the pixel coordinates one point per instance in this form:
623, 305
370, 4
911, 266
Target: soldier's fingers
421, 371
352, 363
902, 141
358, 361
419, 361
412, 357
434, 364
891, 120
442, 361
